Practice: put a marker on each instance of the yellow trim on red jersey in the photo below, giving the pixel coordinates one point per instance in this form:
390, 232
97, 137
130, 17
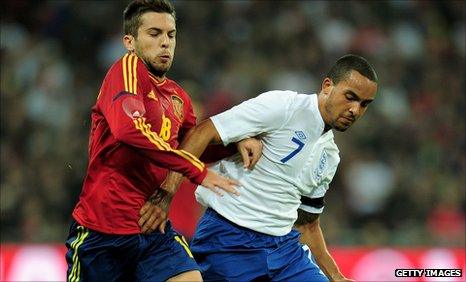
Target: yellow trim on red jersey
145, 129
130, 73
190, 157
125, 79
129, 68
154, 138
135, 75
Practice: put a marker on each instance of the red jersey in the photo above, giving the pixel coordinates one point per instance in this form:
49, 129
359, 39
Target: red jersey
136, 123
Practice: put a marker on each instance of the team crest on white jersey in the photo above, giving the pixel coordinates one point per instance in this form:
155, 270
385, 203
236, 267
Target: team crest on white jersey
321, 167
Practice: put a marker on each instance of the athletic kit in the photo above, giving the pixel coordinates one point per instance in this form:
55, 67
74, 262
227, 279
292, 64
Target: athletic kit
251, 236
136, 124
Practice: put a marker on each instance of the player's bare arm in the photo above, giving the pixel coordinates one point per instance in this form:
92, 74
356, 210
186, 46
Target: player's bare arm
195, 142
154, 212
311, 235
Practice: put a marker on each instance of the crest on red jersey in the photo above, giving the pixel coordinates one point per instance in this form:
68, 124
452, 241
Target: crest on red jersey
177, 103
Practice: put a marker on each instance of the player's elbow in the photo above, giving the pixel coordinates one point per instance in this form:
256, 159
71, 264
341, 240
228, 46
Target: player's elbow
206, 130
121, 133
312, 226
308, 228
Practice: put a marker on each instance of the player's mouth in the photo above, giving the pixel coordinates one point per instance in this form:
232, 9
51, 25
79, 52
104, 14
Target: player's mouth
348, 121
165, 57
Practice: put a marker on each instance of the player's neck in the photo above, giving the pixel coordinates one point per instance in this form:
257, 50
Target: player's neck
323, 113
326, 128
159, 78
157, 75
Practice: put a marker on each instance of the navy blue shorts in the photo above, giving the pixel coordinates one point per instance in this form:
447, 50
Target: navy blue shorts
94, 256
228, 252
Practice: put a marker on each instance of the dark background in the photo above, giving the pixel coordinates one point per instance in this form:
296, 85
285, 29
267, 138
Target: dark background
402, 176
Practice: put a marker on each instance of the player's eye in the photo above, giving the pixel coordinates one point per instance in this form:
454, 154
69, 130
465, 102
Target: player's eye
350, 98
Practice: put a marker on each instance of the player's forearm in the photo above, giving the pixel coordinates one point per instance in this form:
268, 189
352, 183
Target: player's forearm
172, 182
329, 267
199, 137
216, 152
312, 236
195, 141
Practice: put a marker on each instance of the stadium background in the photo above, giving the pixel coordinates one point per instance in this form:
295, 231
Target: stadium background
401, 183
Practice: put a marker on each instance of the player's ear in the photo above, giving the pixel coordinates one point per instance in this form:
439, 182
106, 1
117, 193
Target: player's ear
327, 86
128, 41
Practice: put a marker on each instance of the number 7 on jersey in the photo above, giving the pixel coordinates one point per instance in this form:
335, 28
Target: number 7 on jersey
297, 150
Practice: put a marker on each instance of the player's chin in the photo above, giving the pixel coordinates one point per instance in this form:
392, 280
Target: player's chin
162, 66
160, 69
341, 127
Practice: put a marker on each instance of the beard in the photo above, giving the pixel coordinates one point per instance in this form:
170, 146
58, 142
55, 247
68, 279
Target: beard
157, 71
334, 124
340, 128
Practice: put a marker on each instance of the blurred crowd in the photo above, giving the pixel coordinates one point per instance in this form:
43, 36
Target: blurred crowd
402, 176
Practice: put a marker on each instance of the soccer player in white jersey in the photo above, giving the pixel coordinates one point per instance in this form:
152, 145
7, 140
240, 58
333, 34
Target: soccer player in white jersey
251, 236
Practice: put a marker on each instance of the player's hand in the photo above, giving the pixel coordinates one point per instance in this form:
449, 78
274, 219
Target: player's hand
154, 212
217, 183
251, 151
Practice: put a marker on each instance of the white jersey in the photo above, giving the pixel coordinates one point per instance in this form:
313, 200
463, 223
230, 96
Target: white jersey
297, 160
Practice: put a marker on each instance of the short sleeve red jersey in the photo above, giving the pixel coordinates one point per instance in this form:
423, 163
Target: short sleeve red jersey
136, 123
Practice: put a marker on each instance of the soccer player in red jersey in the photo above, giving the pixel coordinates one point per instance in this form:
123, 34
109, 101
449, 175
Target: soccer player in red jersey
139, 117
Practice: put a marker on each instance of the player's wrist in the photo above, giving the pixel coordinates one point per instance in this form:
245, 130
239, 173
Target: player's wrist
162, 199
160, 195
200, 177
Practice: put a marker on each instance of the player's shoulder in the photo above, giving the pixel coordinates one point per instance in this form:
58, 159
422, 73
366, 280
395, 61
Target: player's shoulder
327, 141
279, 94
178, 92
275, 97
172, 83
172, 86
290, 96
130, 72
128, 65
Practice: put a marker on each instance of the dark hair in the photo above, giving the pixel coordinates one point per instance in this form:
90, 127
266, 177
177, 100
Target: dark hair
135, 9
350, 62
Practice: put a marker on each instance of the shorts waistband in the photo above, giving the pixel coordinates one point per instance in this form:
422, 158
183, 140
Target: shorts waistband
214, 214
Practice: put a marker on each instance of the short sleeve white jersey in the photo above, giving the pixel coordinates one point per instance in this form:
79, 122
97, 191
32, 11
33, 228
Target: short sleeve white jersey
297, 159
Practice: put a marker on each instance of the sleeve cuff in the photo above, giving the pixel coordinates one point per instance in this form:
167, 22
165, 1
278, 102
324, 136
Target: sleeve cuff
218, 126
199, 178
310, 209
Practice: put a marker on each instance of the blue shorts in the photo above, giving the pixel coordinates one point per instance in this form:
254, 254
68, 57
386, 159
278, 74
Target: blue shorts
228, 252
94, 256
